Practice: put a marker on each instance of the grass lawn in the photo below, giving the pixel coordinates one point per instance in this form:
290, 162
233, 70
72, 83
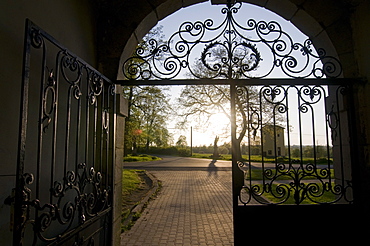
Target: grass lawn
135, 187
324, 198
258, 175
258, 158
140, 158
130, 181
208, 156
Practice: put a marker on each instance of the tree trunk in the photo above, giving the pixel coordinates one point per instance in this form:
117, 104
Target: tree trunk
238, 151
134, 148
147, 145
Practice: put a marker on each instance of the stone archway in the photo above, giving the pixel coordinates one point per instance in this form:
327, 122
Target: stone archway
325, 23
315, 37
285, 9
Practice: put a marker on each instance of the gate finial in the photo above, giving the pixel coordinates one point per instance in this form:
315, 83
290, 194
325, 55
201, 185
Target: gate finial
218, 2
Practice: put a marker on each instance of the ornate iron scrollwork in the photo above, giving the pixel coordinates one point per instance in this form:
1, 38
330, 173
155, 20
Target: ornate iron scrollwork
296, 187
89, 199
230, 51
64, 188
287, 179
79, 197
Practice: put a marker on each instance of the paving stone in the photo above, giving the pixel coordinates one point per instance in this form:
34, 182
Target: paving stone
193, 208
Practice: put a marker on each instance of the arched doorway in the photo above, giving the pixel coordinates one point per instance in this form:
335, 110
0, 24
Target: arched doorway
310, 19
238, 66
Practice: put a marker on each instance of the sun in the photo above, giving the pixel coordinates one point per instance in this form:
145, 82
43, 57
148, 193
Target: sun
219, 124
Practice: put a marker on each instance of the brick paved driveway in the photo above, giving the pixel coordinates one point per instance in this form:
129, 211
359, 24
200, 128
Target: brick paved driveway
194, 207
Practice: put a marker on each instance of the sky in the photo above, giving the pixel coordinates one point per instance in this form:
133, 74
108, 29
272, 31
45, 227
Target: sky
204, 135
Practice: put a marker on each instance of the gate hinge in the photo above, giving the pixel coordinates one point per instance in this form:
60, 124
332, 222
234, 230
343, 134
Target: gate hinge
10, 201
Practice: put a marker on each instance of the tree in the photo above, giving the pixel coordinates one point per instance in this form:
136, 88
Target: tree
148, 106
181, 142
149, 110
296, 152
138, 66
200, 102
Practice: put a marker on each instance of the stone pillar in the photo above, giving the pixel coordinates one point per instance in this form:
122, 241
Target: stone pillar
338, 116
121, 114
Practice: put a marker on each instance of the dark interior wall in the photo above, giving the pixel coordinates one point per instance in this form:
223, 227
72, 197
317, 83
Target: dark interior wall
72, 24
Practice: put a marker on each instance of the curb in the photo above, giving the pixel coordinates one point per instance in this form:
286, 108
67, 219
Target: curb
139, 208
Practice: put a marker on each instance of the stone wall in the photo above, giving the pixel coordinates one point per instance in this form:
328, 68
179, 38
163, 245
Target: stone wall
122, 113
359, 22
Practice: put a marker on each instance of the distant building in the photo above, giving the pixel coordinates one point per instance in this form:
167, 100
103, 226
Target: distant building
273, 141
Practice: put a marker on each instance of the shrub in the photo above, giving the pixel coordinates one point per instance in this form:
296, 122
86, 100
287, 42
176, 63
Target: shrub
140, 158
183, 152
160, 150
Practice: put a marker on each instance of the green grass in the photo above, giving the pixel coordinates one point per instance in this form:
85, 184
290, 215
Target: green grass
140, 158
130, 181
257, 174
208, 156
324, 198
258, 158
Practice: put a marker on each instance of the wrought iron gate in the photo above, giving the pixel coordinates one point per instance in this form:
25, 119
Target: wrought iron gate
63, 193
269, 116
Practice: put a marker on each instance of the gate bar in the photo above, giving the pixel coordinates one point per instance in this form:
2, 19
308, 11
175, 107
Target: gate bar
288, 81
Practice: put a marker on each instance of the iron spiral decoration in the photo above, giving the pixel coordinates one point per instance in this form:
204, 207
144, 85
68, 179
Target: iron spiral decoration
230, 50
89, 199
66, 186
289, 180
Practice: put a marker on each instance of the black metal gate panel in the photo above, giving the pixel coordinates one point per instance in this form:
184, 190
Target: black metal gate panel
307, 111
63, 193
305, 172
318, 177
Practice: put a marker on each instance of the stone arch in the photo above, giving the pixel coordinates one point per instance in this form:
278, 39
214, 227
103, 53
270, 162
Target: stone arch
324, 22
